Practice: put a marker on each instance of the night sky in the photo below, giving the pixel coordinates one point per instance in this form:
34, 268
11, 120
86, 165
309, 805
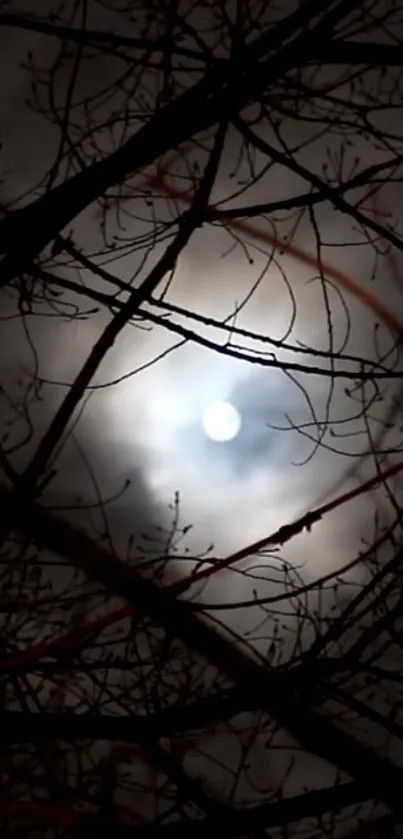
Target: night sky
137, 439
147, 427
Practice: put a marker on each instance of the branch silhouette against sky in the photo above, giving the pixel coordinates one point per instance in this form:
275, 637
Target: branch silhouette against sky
200, 206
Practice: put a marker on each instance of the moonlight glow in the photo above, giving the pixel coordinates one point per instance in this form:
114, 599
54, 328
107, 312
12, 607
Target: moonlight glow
221, 421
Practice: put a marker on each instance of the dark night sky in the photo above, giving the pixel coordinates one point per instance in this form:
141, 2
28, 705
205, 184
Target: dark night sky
148, 426
145, 425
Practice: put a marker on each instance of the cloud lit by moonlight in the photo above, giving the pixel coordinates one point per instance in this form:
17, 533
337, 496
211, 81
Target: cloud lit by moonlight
221, 421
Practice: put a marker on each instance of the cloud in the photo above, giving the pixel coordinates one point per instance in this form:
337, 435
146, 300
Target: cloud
147, 427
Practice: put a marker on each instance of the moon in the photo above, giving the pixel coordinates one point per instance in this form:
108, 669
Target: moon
221, 421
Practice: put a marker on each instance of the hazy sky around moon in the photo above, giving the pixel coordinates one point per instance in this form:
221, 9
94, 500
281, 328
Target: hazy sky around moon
148, 426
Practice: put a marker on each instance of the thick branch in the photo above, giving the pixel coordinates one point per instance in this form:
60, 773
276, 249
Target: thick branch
221, 93
356, 53
187, 225
20, 727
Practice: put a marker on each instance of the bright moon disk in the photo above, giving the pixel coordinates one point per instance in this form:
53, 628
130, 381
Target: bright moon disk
221, 421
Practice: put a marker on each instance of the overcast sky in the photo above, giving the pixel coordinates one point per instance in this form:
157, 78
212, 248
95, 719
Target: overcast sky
142, 422
147, 428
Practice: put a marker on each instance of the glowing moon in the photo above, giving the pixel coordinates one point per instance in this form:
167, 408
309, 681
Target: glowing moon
221, 421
